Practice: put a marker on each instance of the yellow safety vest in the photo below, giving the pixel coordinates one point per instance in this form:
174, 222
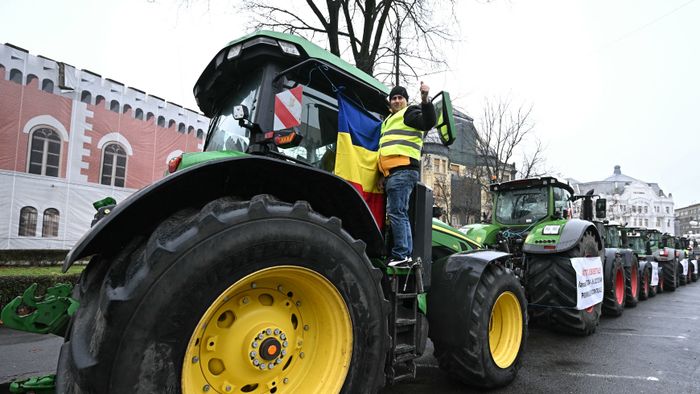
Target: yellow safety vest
400, 139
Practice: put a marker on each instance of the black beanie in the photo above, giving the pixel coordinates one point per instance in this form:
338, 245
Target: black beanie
398, 90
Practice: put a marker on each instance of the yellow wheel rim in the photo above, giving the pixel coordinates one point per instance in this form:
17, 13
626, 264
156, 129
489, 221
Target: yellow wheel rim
505, 329
281, 329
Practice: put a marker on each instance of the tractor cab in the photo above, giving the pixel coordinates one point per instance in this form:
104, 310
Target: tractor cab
525, 202
277, 95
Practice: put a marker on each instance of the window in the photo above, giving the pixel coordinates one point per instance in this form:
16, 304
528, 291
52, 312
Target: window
646, 222
172, 123
44, 152
667, 210
114, 106
656, 208
200, 134
634, 209
190, 130
16, 76
668, 222
86, 97
181, 128
113, 165
138, 114
47, 85
161, 121
127, 107
49, 227
646, 209
31, 78
149, 116
27, 222
99, 100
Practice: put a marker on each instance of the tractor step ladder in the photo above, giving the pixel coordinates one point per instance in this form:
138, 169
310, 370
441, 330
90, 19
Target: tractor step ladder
405, 288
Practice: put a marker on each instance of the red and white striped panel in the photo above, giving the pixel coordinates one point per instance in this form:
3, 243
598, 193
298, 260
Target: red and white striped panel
288, 108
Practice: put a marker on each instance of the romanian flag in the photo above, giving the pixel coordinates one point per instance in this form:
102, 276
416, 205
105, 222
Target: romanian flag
357, 153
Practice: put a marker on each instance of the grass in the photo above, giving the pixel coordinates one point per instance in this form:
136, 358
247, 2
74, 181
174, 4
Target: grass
38, 271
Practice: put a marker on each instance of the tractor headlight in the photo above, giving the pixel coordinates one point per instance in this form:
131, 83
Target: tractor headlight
289, 48
552, 229
233, 52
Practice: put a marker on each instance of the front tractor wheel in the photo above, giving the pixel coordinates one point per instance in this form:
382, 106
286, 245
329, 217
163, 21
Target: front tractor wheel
489, 337
258, 296
614, 293
632, 291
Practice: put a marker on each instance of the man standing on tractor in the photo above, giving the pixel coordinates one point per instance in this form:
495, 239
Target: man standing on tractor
400, 147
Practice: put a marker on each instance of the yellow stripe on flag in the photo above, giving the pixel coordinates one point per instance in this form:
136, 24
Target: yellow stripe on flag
356, 164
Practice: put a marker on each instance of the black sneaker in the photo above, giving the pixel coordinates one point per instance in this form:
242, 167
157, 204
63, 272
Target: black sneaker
405, 262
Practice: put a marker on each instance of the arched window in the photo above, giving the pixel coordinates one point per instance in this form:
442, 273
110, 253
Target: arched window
44, 152
27, 222
49, 227
30, 78
200, 134
149, 116
172, 123
161, 121
99, 100
181, 128
86, 97
16, 76
127, 107
47, 85
138, 114
113, 165
114, 106
190, 130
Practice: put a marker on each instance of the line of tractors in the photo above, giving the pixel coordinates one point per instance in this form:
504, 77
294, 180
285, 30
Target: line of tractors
253, 268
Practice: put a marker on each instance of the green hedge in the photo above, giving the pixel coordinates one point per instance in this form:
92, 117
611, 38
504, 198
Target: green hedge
13, 286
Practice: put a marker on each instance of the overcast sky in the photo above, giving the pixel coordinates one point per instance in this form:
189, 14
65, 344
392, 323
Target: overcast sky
611, 81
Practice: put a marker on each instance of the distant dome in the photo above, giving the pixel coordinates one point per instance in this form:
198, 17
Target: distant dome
618, 176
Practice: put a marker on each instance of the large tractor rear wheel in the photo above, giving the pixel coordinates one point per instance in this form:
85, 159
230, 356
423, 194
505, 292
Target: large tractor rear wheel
670, 274
489, 352
552, 287
614, 293
255, 296
632, 283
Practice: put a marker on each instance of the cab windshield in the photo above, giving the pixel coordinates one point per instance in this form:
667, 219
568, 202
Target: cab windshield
638, 245
522, 206
226, 133
612, 236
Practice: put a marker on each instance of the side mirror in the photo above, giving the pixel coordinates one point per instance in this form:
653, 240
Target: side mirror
240, 112
445, 120
600, 208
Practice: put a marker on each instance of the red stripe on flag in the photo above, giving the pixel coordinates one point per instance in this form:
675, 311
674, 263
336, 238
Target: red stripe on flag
283, 114
296, 92
376, 204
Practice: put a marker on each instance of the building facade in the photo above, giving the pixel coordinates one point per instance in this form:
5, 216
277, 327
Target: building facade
69, 137
688, 221
631, 201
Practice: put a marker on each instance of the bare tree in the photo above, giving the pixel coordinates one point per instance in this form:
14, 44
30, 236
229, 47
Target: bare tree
387, 38
443, 196
502, 132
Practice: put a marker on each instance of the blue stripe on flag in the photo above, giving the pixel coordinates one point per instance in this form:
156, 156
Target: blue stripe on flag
363, 127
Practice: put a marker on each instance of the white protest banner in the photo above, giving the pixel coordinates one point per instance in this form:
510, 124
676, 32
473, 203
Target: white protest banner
654, 273
589, 280
684, 263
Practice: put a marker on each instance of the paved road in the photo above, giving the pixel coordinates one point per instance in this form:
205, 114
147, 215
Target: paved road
652, 348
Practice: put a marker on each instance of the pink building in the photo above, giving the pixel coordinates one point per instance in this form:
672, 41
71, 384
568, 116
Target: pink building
69, 137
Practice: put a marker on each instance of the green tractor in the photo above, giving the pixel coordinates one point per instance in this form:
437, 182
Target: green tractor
253, 268
557, 259
624, 272
635, 239
667, 256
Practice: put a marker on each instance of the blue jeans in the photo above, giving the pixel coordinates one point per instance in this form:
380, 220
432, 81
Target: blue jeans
398, 187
